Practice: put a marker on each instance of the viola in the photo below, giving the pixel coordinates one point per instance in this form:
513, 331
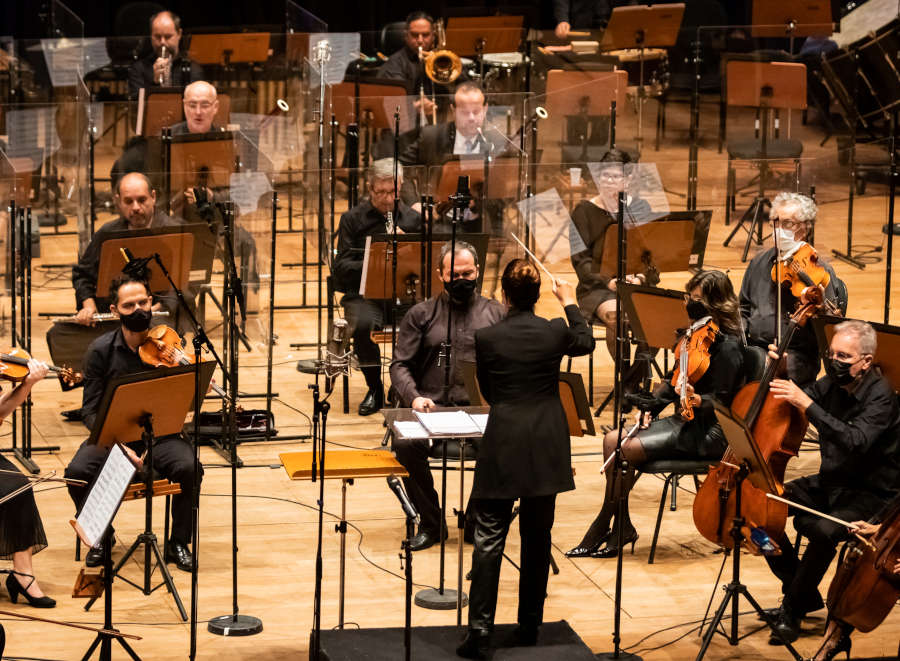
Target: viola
865, 588
692, 360
163, 347
778, 428
14, 367
801, 270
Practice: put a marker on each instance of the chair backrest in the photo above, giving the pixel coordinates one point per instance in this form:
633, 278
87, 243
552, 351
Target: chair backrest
392, 37
841, 294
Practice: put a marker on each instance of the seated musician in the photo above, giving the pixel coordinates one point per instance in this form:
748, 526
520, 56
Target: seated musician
417, 372
406, 65
710, 298
583, 14
855, 410
596, 292
175, 69
365, 219
116, 354
794, 216
136, 201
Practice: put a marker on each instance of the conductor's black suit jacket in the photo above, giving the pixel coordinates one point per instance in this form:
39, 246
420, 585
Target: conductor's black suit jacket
525, 450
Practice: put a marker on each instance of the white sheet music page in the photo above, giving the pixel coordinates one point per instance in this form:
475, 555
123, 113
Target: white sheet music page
449, 423
410, 429
106, 494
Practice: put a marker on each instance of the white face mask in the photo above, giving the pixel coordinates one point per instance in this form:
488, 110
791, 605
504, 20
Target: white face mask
786, 241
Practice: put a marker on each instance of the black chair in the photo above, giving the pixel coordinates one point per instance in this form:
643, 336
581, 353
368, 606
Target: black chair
392, 37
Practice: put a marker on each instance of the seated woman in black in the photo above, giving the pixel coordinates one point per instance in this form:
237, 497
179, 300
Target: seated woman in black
710, 298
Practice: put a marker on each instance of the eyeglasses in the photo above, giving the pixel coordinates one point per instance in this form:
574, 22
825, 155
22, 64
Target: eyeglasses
843, 357
790, 224
201, 105
389, 192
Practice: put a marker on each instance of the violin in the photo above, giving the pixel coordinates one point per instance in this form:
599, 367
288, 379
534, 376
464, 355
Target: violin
14, 367
778, 428
865, 587
692, 361
163, 347
801, 270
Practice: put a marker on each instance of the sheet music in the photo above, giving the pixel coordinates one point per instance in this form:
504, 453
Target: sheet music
344, 50
410, 429
556, 238
31, 131
481, 419
106, 494
246, 188
455, 423
66, 58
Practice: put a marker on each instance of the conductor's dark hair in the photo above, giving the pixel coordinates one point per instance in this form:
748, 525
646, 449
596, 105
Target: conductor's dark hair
418, 15
521, 283
176, 19
616, 156
125, 279
717, 294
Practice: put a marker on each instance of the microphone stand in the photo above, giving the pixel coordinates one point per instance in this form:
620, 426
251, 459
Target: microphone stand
408, 557
233, 624
320, 418
395, 301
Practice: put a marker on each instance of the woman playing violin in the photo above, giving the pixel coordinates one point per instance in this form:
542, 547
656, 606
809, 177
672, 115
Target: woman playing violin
710, 301
116, 354
855, 411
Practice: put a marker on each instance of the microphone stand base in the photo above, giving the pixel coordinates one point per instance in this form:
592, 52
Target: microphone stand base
433, 599
235, 625
621, 656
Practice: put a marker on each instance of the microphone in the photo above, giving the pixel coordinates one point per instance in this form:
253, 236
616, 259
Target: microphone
484, 141
462, 196
336, 350
397, 488
136, 267
539, 113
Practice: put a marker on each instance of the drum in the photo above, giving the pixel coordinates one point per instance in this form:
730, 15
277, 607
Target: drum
504, 72
656, 68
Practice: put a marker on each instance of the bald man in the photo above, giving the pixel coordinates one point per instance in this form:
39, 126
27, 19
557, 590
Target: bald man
173, 70
136, 201
200, 104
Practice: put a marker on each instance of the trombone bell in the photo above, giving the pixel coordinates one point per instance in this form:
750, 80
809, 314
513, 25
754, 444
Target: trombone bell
443, 66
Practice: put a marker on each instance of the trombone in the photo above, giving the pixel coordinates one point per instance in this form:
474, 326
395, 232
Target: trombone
442, 66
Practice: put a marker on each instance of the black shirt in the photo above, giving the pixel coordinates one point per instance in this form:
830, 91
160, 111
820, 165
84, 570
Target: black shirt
404, 65
107, 357
859, 434
140, 73
362, 221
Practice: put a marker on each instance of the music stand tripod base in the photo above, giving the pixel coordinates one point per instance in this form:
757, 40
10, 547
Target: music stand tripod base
433, 599
235, 625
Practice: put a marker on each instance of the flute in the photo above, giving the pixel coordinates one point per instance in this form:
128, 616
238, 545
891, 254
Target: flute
100, 316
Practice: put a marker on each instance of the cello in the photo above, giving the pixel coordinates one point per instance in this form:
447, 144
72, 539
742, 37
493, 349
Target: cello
778, 428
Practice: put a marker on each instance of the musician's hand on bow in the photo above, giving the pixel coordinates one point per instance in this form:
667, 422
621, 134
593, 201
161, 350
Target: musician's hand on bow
790, 392
694, 398
865, 528
423, 404
85, 316
564, 292
562, 29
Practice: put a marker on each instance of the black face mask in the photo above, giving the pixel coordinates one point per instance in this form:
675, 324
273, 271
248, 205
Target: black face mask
460, 290
138, 321
696, 310
839, 371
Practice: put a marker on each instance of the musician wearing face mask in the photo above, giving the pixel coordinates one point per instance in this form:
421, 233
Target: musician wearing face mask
710, 300
793, 216
116, 354
855, 410
417, 372
365, 219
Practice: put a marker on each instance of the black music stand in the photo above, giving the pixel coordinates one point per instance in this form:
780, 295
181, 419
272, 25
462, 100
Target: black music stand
752, 466
93, 527
148, 405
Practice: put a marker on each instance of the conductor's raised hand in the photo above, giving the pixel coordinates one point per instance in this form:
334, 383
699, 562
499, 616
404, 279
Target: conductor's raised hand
564, 292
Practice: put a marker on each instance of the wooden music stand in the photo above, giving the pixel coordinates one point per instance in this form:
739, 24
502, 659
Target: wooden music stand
203, 159
375, 102
230, 48
579, 416
655, 314
791, 18
643, 26
175, 250
676, 242
503, 177
378, 265
567, 91
769, 84
885, 355
161, 107
474, 35
344, 465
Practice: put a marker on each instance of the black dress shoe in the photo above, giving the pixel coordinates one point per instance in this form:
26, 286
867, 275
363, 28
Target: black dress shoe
94, 556
178, 553
786, 629
773, 613
425, 539
585, 550
475, 645
372, 403
525, 636
611, 550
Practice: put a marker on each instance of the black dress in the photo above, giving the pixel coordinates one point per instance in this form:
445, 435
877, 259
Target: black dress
20, 523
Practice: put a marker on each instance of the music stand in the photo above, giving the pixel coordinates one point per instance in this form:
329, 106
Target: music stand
201, 159
176, 250
93, 527
230, 48
502, 177
642, 27
763, 85
476, 35
373, 105
655, 314
148, 405
885, 355
752, 466
791, 18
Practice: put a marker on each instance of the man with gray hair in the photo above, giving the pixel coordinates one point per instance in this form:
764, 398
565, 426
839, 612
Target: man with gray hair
793, 216
855, 410
417, 371
371, 216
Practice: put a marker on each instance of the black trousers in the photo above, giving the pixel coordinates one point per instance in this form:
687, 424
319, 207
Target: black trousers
492, 519
413, 454
800, 577
173, 458
363, 316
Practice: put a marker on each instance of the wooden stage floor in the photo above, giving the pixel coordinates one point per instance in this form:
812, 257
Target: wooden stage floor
277, 523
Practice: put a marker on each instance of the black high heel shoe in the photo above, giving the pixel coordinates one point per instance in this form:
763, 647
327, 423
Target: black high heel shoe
843, 645
611, 550
585, 550
15, 589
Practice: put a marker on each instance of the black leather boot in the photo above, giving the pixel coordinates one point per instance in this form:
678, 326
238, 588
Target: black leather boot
475, 645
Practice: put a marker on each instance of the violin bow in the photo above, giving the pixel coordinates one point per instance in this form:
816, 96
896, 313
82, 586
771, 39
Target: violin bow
46, 478
74, 625
822, 515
